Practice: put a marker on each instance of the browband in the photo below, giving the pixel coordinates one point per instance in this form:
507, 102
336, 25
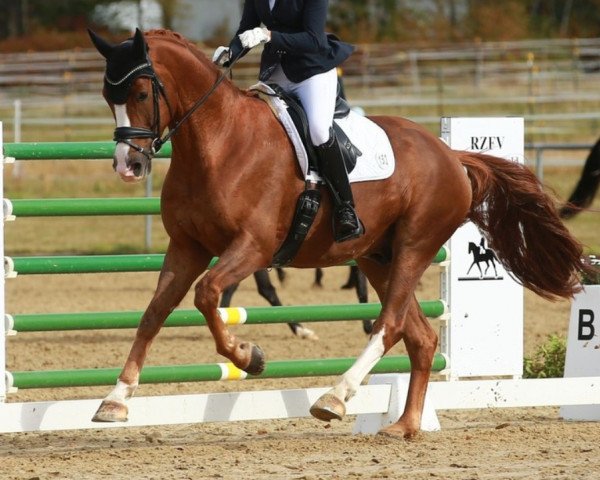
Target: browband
127, 75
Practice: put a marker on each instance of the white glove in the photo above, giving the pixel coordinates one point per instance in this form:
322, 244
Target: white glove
221, 56
254, 37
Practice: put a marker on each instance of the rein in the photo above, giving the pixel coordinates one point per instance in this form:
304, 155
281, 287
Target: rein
125, 134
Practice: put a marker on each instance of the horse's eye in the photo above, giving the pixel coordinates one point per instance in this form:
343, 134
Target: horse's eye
141, 96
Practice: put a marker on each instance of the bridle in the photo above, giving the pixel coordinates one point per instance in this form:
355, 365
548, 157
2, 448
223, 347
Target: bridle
125, 134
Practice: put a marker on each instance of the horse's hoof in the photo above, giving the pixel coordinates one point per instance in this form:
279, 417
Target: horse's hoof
328, 407
399, 430
306, 333
111, 411
257, 361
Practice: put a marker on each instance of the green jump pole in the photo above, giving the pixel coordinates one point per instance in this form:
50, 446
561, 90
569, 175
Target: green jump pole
65, 207
88, 264
109, 263
68, 150
208, 372
46, 322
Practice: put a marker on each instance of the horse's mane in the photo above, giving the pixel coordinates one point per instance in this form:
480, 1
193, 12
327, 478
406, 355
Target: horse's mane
176, 37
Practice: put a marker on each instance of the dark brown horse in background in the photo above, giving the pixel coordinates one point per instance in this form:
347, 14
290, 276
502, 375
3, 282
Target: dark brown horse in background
231, 192
584, 192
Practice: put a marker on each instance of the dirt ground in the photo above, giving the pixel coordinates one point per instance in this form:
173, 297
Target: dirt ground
473, 444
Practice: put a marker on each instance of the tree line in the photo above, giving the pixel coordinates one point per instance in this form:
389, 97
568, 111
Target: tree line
416, 21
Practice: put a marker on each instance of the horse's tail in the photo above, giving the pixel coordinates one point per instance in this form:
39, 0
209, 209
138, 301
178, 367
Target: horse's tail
586, 188
522, 226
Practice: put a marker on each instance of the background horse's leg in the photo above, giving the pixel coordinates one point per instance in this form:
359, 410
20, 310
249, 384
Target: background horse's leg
281, 274
267, 290
235, 264
228, 295
318, 278
362, 291
352, 278
586, 187
181, 267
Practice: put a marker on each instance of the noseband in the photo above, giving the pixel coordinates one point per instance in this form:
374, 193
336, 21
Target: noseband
125, 134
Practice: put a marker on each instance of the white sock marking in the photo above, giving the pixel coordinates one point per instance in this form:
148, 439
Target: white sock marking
351, 380
121, 392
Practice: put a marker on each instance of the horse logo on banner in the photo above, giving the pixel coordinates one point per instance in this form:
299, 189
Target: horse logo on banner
481, 254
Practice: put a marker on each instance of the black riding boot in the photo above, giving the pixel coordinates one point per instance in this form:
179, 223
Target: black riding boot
346, 224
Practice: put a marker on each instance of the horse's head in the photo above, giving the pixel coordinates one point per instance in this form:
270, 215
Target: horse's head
135, 95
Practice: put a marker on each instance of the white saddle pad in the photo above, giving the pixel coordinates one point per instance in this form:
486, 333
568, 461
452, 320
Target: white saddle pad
377, 159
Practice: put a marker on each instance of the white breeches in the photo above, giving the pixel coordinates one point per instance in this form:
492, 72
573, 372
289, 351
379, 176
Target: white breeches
317, 95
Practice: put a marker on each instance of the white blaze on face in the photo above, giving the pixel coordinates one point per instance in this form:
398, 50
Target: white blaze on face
122, 149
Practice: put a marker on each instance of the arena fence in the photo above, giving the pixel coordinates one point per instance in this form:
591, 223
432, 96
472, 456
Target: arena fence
455, 360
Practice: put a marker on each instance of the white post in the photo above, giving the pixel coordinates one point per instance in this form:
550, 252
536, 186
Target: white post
583, 348
18, 120
148, 219
2, 309
485, 335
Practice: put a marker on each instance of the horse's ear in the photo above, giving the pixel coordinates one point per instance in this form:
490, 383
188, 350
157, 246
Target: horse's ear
139, 44
101, 45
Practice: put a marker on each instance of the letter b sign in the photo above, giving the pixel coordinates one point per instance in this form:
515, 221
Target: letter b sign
585, 324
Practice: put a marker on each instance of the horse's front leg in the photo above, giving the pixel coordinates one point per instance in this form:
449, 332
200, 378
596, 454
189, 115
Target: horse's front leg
234, 265
181, 267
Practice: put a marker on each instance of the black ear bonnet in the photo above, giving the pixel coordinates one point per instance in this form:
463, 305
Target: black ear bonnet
122, 68
124, 63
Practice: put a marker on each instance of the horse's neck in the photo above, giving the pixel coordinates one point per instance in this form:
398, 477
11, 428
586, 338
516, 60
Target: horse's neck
209, 125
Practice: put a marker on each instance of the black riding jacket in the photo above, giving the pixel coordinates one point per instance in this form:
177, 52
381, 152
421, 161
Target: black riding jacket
298, 39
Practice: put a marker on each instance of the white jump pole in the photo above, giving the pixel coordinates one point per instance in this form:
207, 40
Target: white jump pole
2, 306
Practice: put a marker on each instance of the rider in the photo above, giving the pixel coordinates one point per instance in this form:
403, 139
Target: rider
301, 58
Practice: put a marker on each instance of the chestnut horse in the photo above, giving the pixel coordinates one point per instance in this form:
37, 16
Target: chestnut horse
231, 191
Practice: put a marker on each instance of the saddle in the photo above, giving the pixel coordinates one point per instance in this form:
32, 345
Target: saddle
350, 152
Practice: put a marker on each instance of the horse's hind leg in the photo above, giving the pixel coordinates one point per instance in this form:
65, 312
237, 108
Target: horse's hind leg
181, 267
398, 318
421, 343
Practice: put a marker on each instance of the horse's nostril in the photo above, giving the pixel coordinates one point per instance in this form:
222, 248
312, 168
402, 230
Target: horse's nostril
137, 169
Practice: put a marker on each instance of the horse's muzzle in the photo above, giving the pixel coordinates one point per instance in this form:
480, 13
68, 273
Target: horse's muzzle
135, 168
